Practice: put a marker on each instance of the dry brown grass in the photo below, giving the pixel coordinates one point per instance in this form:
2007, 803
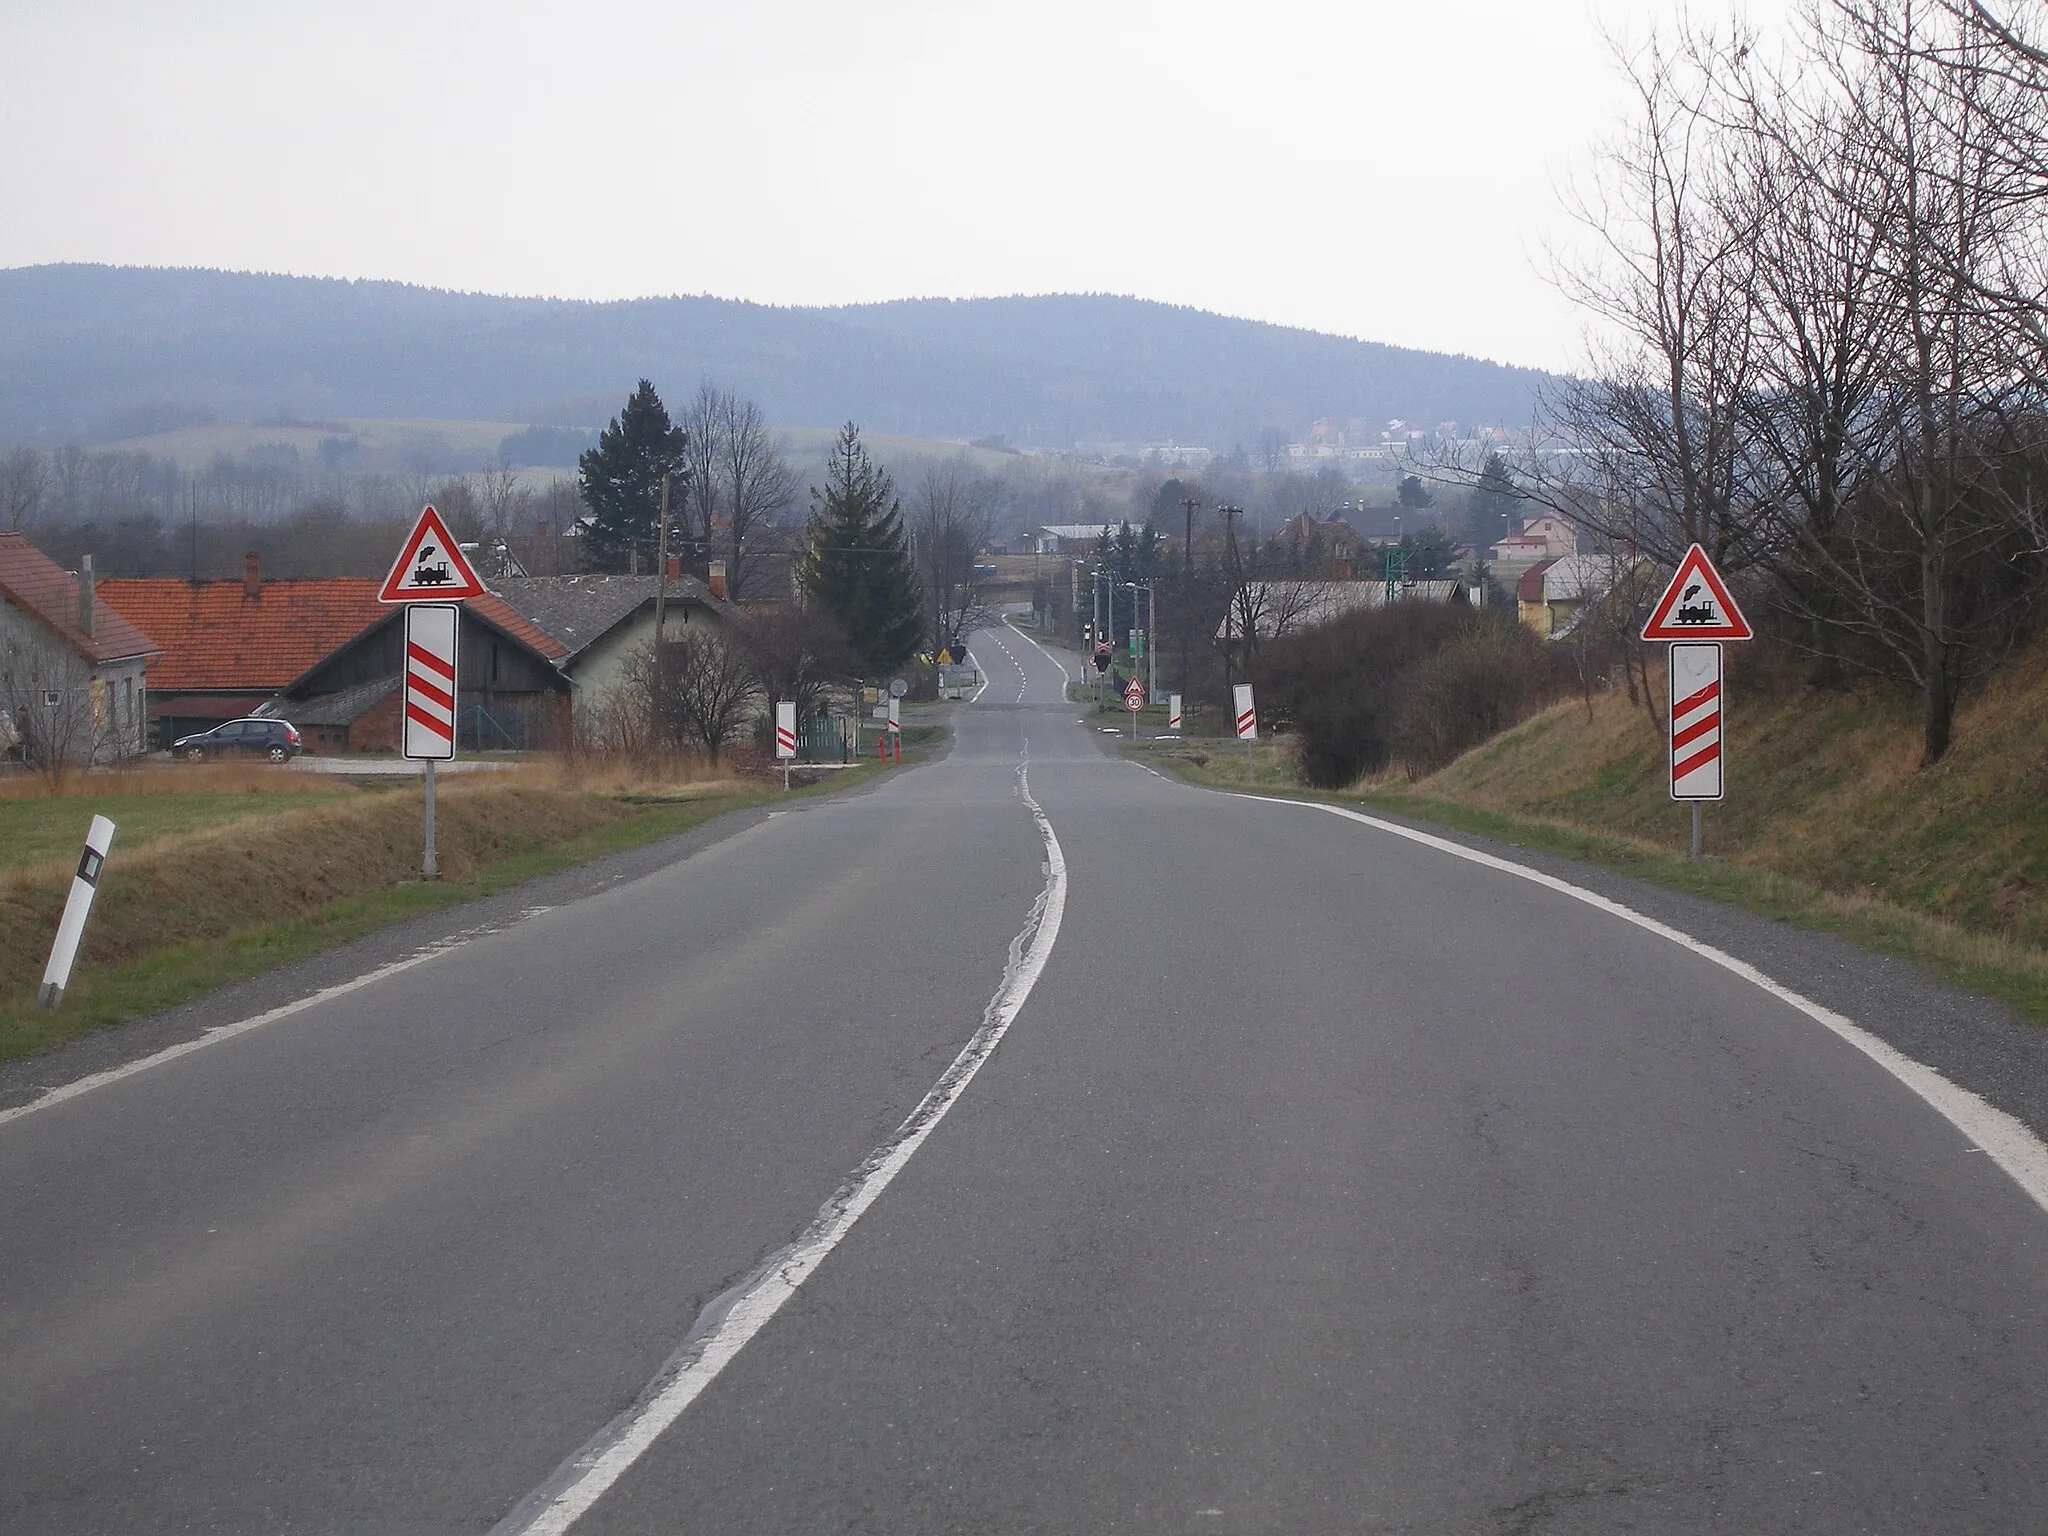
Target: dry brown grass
271, 868
1824, 788
677, 775
163, 778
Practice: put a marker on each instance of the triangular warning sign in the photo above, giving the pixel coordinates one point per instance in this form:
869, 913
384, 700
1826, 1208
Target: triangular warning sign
1697, 605
430, 568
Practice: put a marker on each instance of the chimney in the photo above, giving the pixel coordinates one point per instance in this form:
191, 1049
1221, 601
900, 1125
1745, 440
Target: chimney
675, 567
252, 575
85, 591
717, 581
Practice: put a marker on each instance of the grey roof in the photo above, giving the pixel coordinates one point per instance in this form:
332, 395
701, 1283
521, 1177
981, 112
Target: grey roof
578, 611
343, 708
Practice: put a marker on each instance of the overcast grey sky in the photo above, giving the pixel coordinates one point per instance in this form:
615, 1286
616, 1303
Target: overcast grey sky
1374, 169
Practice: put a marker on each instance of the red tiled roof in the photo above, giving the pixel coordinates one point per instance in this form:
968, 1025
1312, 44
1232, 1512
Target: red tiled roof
33, 581
501, 613
216, 636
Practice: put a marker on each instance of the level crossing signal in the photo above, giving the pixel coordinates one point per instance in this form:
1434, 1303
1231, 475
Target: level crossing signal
430, 567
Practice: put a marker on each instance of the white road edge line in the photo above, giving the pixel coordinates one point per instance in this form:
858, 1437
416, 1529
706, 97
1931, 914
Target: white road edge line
1065, 676
727, 1325
2006, 1140
224, 1032
975, 697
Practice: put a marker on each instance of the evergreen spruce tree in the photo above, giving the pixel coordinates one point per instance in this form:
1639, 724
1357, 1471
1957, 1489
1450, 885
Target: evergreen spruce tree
620, 481
859, 569
1495, 505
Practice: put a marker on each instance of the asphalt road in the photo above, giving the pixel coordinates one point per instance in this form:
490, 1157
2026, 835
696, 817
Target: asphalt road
1322, 1182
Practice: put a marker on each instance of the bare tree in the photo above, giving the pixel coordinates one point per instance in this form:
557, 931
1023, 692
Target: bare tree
1661, 449
798, 655
952, 518
503, 506
25, 480
1820, 319
1926, 567
704, 690
739, 485
46, 691
756, 487
1272, 450
703, 506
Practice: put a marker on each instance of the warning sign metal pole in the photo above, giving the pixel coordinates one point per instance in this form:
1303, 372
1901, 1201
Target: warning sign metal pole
431, 867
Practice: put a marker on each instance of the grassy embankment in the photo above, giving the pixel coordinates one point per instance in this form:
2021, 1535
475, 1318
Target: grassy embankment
1829, 822
219, 873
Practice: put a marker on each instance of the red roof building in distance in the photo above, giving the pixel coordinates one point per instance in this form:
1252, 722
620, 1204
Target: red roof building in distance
231, 646
71, 664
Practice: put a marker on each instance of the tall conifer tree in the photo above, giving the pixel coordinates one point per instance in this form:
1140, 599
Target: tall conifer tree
859, 568
621, 482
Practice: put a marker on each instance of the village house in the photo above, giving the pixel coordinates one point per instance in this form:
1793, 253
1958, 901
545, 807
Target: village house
601, 621
510, 694
1551, 595
231, 647
73, 669
1545, 537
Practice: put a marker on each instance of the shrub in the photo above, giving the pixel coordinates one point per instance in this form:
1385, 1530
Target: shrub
1415, 683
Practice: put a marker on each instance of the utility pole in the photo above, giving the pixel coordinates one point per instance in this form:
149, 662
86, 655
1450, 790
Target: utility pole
1230, 516
1151, 642
1101, 633
661, 568
1187, 585
660, 613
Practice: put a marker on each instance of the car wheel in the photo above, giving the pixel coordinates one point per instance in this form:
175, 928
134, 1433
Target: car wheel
278, 754
193, 754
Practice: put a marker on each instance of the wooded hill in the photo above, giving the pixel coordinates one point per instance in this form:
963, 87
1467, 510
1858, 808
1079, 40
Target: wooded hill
92, 353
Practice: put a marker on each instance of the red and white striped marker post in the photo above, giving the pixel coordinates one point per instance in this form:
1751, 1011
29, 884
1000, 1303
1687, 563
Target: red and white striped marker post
785, 736
1173, 715
1247, 716
432, 642
896, 726
1696, 721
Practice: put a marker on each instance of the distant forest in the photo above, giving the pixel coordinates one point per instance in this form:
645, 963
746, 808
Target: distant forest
94, 354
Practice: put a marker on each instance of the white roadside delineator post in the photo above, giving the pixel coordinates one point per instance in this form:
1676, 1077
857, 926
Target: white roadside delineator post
1173, 715
785, 736
71, 927
1247, 715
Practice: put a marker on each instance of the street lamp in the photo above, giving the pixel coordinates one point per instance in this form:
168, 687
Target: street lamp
1151, 633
